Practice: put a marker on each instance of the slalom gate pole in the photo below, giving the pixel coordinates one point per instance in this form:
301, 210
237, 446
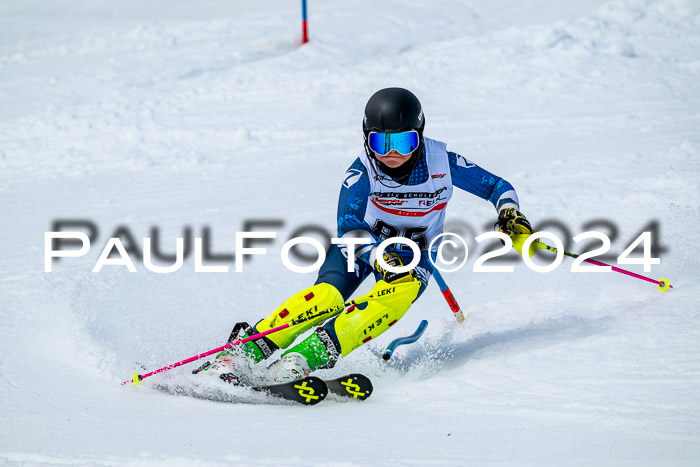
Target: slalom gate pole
138, 378
304, 28
662, 283
447, 293
405, 340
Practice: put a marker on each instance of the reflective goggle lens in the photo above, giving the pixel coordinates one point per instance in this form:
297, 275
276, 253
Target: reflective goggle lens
383, 143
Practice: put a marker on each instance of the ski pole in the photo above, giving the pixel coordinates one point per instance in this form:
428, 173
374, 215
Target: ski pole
405, 340
138, 378
447, 293
662, 283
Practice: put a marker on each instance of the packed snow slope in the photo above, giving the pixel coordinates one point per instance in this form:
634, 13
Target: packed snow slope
175, 115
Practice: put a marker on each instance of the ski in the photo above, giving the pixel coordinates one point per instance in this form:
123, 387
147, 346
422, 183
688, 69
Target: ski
310, 390
307, 391
354, 386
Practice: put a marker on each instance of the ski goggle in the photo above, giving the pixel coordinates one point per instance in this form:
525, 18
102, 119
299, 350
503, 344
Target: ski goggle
383, 143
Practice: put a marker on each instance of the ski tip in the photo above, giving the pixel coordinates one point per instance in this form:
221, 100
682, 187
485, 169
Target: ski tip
307, 391
310, 390
354, 386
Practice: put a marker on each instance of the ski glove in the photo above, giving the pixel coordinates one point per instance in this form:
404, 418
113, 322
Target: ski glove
511, 221
393, 260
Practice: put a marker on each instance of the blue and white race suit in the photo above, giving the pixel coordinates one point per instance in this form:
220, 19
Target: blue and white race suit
373, 202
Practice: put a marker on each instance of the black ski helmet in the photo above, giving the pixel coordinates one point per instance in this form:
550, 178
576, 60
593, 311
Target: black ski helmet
393, 110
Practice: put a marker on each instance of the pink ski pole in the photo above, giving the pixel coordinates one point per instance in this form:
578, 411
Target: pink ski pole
662, 283
138, 378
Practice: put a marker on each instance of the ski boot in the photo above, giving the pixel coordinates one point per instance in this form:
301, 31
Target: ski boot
291, 367
235, 365
231, 367
315, 352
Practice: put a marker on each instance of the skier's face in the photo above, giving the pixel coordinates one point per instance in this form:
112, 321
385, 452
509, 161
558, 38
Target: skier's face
393, 159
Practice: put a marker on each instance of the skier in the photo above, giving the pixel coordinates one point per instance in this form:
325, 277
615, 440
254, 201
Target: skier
398, 187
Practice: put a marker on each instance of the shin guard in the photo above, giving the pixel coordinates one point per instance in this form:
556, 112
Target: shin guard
386, 304
308, 302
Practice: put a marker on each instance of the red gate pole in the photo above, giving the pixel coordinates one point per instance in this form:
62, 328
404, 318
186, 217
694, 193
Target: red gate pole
304, 29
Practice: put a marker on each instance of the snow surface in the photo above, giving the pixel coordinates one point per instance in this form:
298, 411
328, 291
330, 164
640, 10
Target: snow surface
208, 114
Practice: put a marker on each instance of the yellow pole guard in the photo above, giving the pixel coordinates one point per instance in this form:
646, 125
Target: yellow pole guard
665, 285
137, 378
